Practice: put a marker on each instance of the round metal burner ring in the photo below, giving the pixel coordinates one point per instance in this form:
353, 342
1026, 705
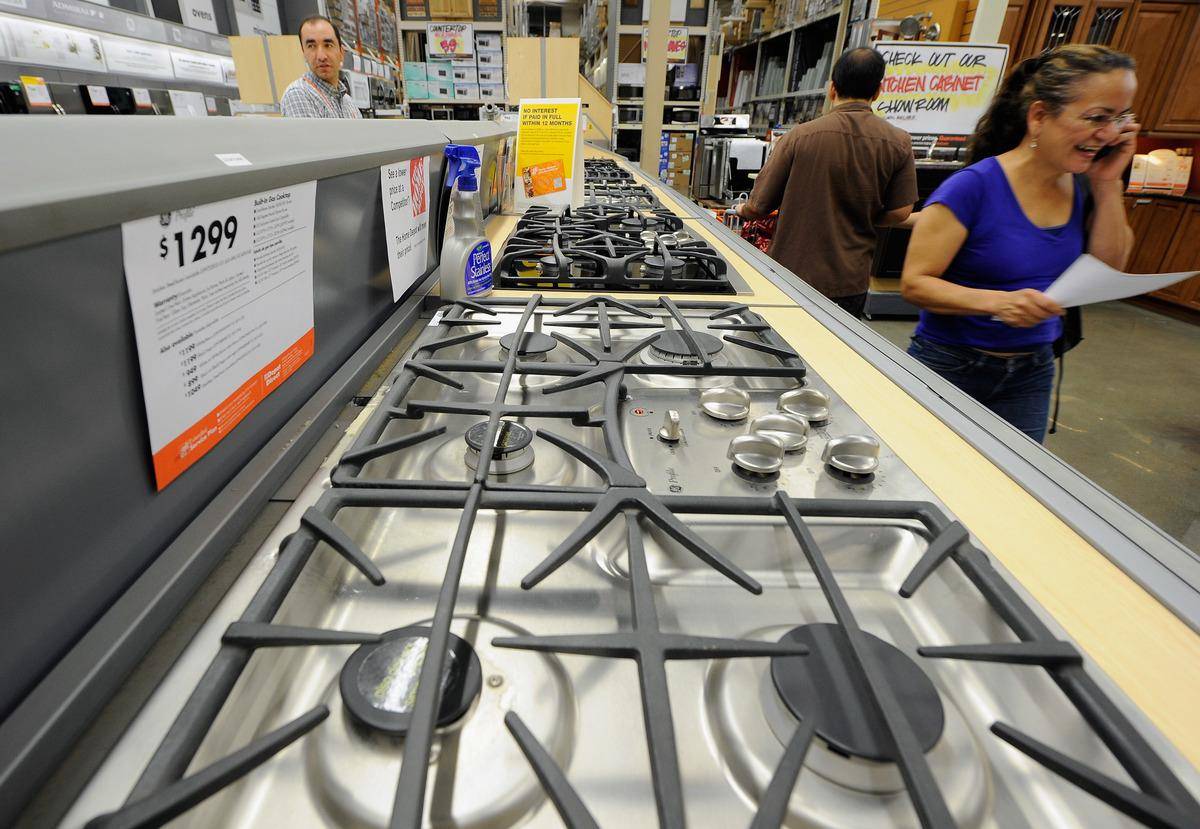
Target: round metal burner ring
512, 450
671, 347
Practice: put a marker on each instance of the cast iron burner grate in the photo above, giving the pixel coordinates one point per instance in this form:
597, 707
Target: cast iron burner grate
606, 248
1157, 797
619, 193
604, 170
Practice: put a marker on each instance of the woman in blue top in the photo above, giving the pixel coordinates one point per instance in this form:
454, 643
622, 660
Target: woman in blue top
997, 233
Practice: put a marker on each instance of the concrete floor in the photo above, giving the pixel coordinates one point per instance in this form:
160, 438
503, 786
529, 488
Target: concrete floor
1130, 416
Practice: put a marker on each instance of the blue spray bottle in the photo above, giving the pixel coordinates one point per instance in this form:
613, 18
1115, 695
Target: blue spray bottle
465, 271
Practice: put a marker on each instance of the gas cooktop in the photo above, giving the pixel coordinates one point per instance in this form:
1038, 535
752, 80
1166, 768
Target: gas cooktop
602, 563
605, 170
610, 248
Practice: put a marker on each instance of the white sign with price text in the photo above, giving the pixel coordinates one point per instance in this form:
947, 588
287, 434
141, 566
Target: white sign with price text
405, 189
222, 302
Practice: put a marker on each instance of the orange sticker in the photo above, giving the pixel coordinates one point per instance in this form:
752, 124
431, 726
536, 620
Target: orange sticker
194, 443
547, 177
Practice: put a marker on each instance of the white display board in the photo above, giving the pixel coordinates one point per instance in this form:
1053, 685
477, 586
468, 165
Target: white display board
45, 44
222, 302
939, 88
405, 191
188, 104
196, 66
138, 57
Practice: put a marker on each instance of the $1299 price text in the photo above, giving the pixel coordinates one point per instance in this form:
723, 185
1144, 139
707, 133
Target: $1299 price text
201, 241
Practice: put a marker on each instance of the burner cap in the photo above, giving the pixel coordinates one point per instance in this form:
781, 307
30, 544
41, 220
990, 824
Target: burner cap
510, 438
379, 680
671, 346
533, 343
632, 223
548, 265
821, 686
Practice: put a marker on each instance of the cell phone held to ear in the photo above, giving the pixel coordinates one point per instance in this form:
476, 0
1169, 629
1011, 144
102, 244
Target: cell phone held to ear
1104, 152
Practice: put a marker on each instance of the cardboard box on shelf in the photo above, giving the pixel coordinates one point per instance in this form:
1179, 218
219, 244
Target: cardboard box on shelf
487, 41
415, 71
491, 92
490, 60
416, 90
439, 70
465, 74
469, 91
490, 76
1137, 174
441, 90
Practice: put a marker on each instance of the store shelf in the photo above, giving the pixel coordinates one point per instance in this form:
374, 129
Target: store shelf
680, 127
480, 25
451, 102
771, 35
640, 102
779, 96
634, 29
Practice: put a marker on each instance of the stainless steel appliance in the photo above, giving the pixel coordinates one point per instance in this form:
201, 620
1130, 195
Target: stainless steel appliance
728, 154
529, 588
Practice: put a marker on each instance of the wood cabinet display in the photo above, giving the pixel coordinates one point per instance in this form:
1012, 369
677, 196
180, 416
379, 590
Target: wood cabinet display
1162, 36
1166, 239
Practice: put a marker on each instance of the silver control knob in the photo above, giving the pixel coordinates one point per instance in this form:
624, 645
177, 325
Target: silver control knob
810, 404
852, 454
725, 403
788, 429
671, 431
757, 453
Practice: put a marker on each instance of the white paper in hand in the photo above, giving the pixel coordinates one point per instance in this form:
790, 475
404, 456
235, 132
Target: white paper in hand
1090, 280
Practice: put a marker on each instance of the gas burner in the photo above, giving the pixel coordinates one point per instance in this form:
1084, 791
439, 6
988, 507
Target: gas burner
672, 349
379, 681
605, 247
534, 346
512, 451
815, 687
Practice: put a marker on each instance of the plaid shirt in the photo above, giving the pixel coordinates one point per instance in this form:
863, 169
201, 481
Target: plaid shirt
310, 97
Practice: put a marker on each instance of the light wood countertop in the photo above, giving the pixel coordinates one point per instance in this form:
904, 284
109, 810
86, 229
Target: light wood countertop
1140, 644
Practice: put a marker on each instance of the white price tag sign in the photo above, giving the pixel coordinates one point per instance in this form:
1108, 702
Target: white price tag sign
141, 97
222, 302
99, 95
405, 189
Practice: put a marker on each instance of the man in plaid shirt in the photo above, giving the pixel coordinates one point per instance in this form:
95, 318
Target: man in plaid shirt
318, 93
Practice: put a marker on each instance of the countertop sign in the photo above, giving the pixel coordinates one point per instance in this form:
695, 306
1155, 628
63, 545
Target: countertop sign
939, 88
405, 189
222, 301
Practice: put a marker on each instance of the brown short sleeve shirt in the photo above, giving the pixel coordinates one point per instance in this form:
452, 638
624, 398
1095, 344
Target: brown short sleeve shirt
831, 179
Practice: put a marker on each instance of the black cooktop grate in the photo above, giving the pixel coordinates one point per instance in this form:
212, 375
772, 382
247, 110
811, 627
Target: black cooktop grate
603, 247
162, 792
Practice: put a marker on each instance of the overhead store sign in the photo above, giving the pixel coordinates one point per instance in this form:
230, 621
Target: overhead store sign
199, 15
677, 44
222, 302
450, 40
938, 88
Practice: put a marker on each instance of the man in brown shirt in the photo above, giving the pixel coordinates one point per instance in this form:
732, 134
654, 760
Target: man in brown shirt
833, 180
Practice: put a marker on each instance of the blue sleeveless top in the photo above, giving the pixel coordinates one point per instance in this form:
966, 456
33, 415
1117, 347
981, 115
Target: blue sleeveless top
1003, 251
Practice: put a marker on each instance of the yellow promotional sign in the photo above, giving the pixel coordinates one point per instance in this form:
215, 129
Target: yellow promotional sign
547, 145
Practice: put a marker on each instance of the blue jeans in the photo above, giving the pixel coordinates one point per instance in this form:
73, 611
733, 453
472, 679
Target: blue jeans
1015, 388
